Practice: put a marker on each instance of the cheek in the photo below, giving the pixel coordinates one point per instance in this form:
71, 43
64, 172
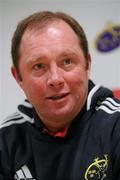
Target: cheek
78, 83
33, 88
39, 88
78, 78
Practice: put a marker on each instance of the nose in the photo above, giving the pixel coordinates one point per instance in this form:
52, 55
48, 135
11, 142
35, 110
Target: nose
55, 79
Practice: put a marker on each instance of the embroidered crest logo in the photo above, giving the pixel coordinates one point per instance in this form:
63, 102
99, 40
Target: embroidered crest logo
97, 170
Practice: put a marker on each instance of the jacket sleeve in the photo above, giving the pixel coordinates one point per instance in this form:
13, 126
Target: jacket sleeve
4, 172
2, 176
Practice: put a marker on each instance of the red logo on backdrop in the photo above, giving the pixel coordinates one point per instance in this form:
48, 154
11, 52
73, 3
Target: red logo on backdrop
116, 92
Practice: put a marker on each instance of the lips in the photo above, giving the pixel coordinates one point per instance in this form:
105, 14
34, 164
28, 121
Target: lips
58, 96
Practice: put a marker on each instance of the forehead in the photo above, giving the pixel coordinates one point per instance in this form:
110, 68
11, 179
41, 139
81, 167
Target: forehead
55, 38
54, 31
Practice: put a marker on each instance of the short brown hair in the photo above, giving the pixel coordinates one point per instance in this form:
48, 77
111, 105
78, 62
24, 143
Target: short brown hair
41, 19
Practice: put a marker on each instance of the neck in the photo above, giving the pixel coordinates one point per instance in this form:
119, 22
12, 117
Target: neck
56, 127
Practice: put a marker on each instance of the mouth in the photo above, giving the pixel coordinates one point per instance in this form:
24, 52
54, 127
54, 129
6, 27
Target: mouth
58, 97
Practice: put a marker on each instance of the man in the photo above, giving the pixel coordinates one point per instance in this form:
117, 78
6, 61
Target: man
68, 128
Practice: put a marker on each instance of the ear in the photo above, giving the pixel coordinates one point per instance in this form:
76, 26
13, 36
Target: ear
16, 75
89, 64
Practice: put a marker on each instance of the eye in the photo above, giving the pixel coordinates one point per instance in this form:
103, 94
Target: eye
67, 61
39, 66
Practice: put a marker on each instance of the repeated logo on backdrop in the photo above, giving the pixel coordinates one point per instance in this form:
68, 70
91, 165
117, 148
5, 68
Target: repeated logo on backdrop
109, 39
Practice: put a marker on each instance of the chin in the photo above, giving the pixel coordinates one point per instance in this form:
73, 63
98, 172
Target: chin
64, 113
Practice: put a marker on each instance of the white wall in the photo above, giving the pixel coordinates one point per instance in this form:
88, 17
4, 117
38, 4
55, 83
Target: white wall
92, 15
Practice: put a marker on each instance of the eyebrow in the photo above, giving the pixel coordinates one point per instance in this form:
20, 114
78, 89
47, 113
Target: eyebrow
68, 52
34, 59
41, 57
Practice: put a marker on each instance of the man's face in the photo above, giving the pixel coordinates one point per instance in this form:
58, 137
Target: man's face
54, 73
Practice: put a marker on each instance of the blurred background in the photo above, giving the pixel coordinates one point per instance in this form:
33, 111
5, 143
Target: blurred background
101, 22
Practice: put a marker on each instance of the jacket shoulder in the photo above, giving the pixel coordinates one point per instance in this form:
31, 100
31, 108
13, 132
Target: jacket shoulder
15, 119
23, 114
109, 105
